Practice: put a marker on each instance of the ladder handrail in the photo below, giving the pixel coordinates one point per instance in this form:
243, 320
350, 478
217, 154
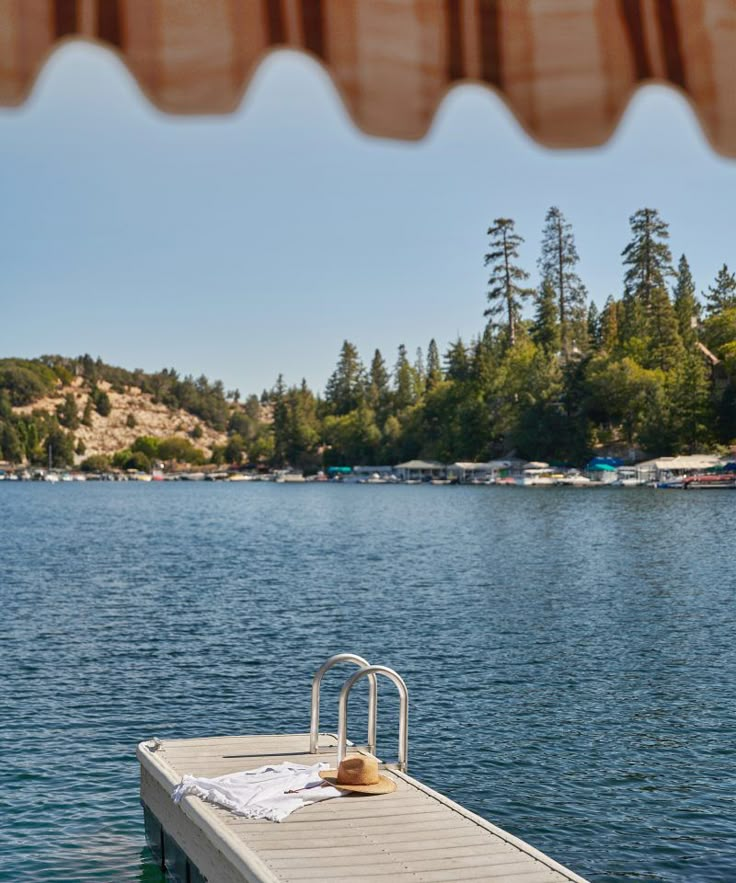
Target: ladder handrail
342, 725
372, 699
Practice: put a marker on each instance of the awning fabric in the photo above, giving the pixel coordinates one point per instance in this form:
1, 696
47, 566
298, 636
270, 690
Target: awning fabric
567, 68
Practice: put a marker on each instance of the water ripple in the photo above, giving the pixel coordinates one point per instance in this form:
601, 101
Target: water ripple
571, 656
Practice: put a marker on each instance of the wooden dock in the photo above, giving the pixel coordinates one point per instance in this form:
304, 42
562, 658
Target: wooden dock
414, 834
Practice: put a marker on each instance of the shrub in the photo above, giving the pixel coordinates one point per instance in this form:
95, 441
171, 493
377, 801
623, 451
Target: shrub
177, 448
96, 463
148, 445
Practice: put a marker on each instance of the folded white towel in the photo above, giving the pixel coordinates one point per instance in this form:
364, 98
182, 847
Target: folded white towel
263, 793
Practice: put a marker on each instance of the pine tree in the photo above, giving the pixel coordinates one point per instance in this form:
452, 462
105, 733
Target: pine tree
594, 326
403, 381
379, 391
419, 374
546, 331
649, 263
610, 323
687, 308
722, 294
280, 422
505, 293
434, 366
692, 406
557, 267
302, 425
457, 362
344, 390
664, 343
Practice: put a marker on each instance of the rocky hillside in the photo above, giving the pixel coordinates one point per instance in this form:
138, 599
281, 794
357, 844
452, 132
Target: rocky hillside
74, 409
133, 413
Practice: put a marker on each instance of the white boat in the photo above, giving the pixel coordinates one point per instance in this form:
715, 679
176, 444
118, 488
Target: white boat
289, 477
51, 477
575, 480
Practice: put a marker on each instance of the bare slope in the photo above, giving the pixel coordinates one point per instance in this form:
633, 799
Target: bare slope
112, 433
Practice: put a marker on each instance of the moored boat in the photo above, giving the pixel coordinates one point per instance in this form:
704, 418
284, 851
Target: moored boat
711, 481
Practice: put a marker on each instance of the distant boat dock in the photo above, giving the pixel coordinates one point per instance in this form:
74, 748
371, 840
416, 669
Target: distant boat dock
413, 834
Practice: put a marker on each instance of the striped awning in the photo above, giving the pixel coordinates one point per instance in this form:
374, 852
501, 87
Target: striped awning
567, 68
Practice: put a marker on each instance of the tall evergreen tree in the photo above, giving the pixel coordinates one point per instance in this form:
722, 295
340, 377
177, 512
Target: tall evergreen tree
692, 409
664, 342
649, 262
379, 389
344, 390
434, 365
687, 308
280, 423
594, 326
403, 381
546, 329
420, 374
557, 265
722, 294
506, 293
302, 434
457, 362
610, 323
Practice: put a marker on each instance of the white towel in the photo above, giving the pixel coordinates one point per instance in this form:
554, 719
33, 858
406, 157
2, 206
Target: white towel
262, 793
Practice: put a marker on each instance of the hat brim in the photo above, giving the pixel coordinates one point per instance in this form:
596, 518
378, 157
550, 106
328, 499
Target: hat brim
384, 785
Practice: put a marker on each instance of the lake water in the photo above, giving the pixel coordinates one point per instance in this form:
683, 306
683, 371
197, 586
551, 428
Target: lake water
570, 655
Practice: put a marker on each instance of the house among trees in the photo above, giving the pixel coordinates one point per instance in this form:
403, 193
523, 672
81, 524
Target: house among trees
717, 370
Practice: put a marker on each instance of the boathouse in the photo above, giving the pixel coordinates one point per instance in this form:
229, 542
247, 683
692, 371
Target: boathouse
421, 470
667, 467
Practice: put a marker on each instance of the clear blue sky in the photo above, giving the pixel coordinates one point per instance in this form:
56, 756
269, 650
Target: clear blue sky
246, 245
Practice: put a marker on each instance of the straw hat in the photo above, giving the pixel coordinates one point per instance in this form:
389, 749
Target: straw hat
359, 774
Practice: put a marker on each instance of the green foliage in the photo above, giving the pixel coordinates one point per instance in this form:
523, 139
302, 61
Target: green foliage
25, 381
139, 461
101, 401
687, 308
405, 385
68, 412
722, 294
11, 445
546, 331
505, 291
379, 386
179, 449
148, 445
96, 463
555, 386
434, 365
346, 387
557, 265
234, 450
354, 437
58, 447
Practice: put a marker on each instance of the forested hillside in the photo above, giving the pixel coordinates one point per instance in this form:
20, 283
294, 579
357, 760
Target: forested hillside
548, 376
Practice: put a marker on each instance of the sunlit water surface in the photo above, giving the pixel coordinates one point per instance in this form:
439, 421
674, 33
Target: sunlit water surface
570, 654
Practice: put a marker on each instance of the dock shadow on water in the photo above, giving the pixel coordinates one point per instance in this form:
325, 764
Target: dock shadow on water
570, 656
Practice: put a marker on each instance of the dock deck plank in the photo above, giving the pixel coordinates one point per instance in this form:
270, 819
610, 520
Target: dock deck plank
414, 835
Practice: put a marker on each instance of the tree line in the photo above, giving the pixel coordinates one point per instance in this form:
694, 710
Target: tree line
548, 376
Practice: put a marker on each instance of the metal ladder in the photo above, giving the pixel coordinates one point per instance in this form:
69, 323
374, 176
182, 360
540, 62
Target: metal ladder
365, 670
